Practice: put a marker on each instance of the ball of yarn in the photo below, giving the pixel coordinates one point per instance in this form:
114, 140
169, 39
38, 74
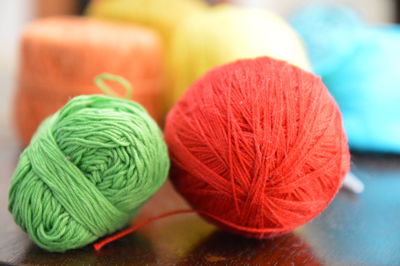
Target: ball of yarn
55, 67
161, 15
87, 171
366, 87
227, 33
257, 147
329, 32
359, 65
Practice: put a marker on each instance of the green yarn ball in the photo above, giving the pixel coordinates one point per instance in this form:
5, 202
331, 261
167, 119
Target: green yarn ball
87, 171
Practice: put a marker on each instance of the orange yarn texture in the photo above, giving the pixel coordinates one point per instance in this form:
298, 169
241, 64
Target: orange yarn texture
61, 56
257, 147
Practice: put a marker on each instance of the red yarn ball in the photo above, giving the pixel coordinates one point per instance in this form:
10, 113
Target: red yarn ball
257, 147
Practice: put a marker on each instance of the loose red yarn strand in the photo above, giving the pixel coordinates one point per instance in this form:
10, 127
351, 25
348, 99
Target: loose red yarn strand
99, 245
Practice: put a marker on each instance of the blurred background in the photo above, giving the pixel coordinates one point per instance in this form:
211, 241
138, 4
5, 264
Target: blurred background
373, 10
14, 15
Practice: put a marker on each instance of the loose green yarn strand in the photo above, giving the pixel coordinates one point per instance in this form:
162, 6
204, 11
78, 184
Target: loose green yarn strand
99, 81
87, 171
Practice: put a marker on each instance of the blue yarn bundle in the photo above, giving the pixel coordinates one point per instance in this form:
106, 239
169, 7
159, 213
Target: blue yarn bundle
360, 66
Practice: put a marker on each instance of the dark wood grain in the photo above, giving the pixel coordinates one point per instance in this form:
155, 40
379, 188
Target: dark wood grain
397, 11
354, 230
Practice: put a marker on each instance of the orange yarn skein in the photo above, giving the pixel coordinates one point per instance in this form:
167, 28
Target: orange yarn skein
61, 56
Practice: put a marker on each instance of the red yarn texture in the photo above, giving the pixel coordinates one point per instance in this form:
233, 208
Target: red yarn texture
257, 147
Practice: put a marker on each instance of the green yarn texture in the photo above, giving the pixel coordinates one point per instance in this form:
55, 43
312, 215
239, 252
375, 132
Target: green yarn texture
87, 171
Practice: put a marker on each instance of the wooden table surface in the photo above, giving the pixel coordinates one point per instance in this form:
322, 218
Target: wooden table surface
354, 230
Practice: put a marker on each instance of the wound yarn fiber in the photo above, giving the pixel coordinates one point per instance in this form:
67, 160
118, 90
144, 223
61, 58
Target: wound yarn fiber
87, 171
257, 147
162, 16
55, 67
359, 63
329, 33
223, 34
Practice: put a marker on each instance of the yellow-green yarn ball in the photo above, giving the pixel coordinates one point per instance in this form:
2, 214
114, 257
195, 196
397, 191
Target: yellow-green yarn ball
227, 33
162, 16
87, 171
